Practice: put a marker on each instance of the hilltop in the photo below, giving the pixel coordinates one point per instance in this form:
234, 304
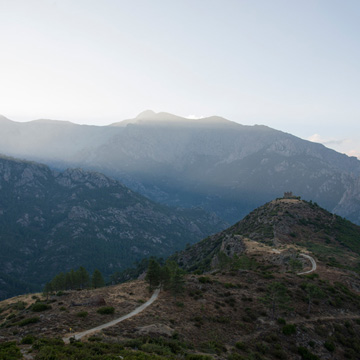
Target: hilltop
244, 299
281, 224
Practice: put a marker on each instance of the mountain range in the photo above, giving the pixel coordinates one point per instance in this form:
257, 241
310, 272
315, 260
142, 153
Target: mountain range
214, 163
54, 221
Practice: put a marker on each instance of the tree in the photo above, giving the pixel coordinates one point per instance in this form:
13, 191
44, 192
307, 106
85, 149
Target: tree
97, 279
47, 290
276, 297
165, 277
312, 292
83, 278
153, 274
177, 283
58, 283
69, 280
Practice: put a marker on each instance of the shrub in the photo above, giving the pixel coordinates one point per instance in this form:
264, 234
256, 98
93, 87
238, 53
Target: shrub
306, 354
180, 304
28, 339
214, 347
289, 329
20, 305
9, 351
37, 307
205, 280
105, 310
28, 321
229, 285
241, 346
156, 348
94, 338
261, 348
329, 345
82, 314
281, 321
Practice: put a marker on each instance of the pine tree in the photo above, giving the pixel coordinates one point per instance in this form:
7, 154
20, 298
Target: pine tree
97, 279
69, 283
153, 274
83, 278
276, 297
47, 290
312, 292
165, 277
177, 283
58, 283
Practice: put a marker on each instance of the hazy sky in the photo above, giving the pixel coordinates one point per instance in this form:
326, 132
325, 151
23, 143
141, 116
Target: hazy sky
291, 65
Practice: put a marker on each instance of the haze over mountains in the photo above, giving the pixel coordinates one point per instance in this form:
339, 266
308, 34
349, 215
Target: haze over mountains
214, 163
54, 221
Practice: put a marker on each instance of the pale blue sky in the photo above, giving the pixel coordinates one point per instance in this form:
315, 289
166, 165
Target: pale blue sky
292, 65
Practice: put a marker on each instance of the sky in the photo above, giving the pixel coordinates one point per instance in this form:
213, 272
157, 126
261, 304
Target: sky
291, 65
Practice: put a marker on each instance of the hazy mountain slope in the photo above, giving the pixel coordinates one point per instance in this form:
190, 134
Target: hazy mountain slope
53, 221
212, 162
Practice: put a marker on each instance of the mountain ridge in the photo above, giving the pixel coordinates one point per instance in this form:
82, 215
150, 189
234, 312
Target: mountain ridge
226, 168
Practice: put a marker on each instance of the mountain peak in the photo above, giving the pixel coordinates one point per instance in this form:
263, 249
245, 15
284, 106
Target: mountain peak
147, 114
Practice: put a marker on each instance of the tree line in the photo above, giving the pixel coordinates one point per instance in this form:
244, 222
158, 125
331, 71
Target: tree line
75, 279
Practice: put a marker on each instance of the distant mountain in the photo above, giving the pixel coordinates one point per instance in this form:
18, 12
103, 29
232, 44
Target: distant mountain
280, 224
54, 221
212, 162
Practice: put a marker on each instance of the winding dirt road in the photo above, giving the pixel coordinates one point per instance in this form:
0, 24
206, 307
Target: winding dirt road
150, 301
313, 264
116, 321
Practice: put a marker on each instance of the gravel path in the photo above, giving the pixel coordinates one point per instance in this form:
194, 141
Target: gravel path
114, 322
313, 264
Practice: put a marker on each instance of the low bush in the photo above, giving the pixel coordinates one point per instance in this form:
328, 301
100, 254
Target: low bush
28, 339
156, 349
37, 307
289, 329
105, 310
82, 314
306, 354
241, 346
205, 280
20, 305
28, 321
329, 345
9, 351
